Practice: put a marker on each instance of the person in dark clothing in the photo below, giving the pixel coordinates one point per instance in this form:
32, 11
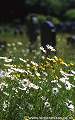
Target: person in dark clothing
32, 27
48, 35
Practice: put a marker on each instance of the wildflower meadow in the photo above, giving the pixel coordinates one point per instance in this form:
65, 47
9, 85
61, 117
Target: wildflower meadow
33, 86
37, 59
37, 89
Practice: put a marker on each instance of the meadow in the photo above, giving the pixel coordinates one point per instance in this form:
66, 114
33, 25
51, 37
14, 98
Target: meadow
33, 86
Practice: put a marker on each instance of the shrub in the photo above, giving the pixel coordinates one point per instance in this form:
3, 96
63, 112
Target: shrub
70, 14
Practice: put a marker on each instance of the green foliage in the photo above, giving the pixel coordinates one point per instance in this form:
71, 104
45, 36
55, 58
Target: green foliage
55, 20
70, 14
41, 18
56, 5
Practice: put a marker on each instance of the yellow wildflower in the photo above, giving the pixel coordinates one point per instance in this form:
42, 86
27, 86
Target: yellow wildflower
71, 64
55, 57
62, 62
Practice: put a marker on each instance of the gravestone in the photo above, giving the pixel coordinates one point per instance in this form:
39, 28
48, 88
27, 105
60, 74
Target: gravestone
48, 35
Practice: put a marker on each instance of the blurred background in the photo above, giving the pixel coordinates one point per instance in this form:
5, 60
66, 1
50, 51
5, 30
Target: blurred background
13, 15
62, 9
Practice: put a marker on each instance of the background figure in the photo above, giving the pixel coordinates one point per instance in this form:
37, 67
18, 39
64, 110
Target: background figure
48, 35
32, 29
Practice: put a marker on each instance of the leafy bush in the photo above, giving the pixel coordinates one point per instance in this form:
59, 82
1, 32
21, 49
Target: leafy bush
41, 18
70, 14
55, 20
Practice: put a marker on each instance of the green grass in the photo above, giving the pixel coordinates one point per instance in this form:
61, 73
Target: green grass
34, 86
18, 46
65, 51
